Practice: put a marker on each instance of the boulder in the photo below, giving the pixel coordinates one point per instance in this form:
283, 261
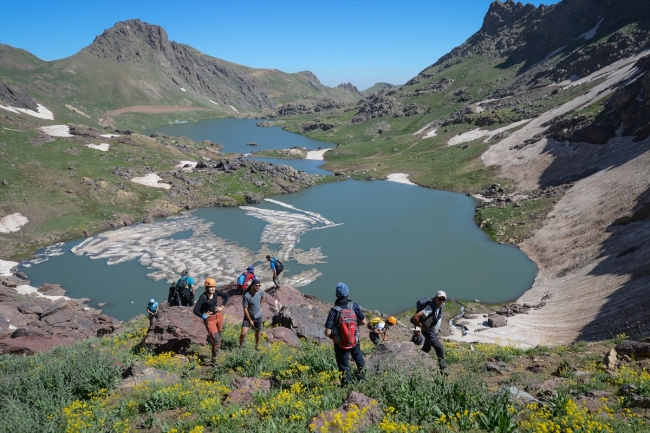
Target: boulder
56, 306
284, 335
370, 413
403, 354
28, 345
139, 373
51, 289
306, 320
610, 360
21, 275
244, 387
499, 367
634, 349
496, 321
175, 330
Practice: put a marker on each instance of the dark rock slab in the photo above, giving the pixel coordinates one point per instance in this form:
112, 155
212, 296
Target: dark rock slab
175, 330
29, 345
51, 289
496, 321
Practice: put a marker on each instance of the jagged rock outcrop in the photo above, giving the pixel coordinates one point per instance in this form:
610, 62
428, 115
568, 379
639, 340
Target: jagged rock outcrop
14, 96
307, 106
375, 106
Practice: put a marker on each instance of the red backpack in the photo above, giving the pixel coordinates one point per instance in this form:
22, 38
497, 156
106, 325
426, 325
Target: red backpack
345, 330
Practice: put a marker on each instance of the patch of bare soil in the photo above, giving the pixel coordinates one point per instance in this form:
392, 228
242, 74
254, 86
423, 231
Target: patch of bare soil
154, 109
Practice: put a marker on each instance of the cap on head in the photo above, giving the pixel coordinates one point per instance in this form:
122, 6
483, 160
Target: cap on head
184, 273
256, 282
210, 282
151, 301
416, 329
342, 290
441, 294
391, 320
250, 269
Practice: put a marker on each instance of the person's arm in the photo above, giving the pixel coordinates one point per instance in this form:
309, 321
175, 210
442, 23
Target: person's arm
418, 318
247, 315
198, 306
329, 324
273, 267
225, 298
361, 318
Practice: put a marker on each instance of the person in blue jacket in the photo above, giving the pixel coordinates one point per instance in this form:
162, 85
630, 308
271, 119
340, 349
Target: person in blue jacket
152, 310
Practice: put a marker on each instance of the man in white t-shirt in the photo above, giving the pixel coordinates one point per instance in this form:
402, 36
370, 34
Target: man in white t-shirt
429, 320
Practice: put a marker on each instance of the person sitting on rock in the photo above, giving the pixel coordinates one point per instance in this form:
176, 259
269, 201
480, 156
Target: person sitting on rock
152, 311
378, 328
207, 308
252, 303
429, 320
417, 338
244, 280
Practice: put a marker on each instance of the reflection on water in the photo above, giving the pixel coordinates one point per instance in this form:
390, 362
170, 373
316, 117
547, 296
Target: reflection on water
391, 243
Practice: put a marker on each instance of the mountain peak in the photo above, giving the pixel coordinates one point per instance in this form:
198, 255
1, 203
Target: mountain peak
126, 39
501, 13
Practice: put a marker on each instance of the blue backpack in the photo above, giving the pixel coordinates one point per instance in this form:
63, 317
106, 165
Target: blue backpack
241, 279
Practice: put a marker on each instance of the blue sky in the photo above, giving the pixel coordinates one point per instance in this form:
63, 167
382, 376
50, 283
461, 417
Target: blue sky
362, 42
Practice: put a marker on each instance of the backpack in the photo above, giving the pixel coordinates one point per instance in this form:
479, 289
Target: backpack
182, 288
346, 334
374, 322
172, 298
279, 266
421, 304
241, 279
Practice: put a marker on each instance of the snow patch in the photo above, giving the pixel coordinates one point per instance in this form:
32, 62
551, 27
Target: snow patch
151, 180
103, 146
591, 33
183, 90
399, 178
479, 133
233, 108
430, 134
57, 130
109, 135
12, 223
421, 130
26, 289
5, 267
42, 113
213, 102
317, 155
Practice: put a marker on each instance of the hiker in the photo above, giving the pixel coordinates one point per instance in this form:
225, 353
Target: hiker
252, 302
152, 311
378, 328
429, 319
207, 309
417, 338
342, 327
277, 267
185, 289
244, 280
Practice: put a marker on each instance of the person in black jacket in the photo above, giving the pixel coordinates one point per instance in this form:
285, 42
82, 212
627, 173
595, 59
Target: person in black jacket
208, 310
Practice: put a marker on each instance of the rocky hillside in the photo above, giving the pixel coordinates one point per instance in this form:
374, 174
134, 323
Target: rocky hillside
543, 114
135, 64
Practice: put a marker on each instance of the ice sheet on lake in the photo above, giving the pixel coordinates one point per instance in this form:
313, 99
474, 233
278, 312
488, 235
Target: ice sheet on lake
206, 255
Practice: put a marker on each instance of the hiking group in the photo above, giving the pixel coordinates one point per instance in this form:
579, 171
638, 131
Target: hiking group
342, 325
345, 317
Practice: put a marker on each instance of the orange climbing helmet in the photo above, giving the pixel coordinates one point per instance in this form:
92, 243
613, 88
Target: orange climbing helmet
210, 282
391, 320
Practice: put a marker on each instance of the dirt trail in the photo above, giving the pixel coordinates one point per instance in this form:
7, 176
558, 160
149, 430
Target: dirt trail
592, 271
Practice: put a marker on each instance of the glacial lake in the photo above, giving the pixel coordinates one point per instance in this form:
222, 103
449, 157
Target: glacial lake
390, 243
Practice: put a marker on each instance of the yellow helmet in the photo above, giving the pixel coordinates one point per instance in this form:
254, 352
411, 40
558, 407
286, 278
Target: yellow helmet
210, 282
392, 320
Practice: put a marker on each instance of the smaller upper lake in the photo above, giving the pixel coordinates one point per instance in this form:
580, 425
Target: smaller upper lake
235, 133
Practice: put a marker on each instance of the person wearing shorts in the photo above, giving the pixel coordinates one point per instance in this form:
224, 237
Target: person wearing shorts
252, 303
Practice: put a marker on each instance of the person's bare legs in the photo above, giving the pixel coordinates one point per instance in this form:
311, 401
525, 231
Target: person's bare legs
257, 338
242, 336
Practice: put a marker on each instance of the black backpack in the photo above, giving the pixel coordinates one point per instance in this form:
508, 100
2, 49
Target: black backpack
279, 266
172, 298
182, 288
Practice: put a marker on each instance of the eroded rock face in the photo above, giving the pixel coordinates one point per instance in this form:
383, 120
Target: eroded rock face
14, 96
